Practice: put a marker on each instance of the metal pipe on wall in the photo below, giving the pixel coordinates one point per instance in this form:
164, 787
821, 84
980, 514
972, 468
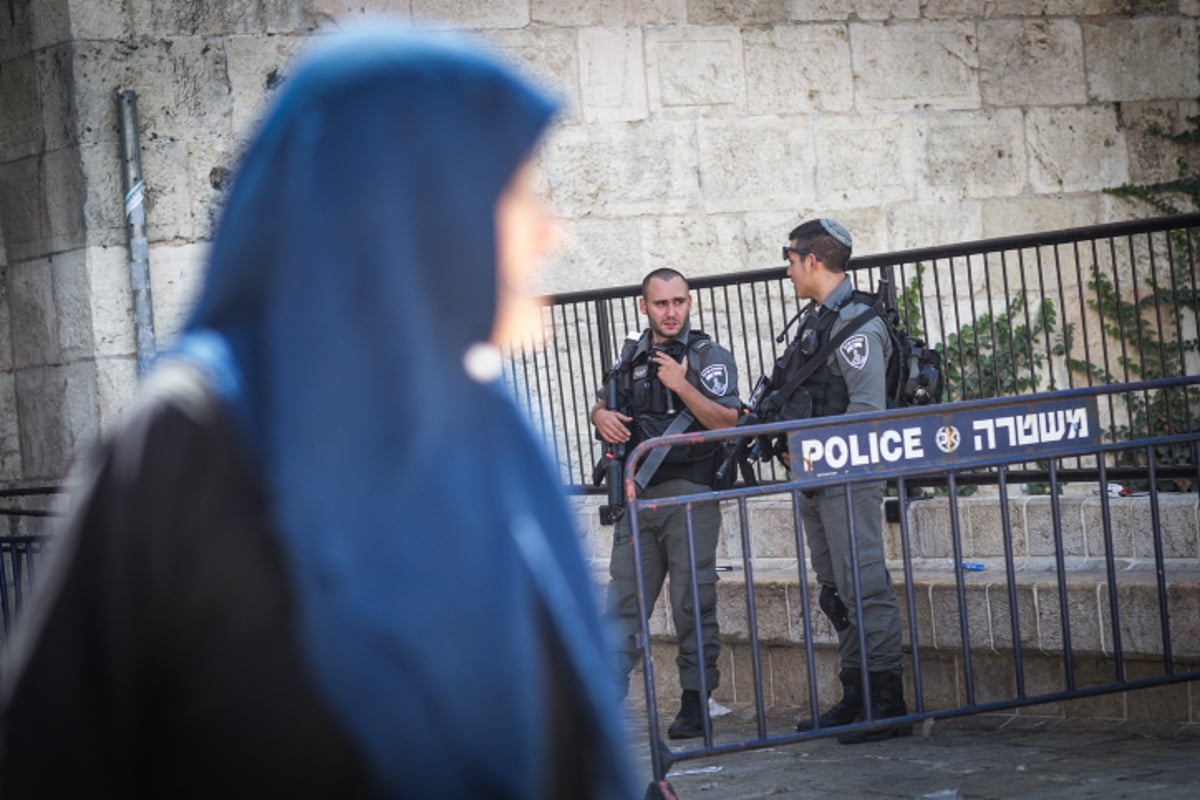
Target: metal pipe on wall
135, 218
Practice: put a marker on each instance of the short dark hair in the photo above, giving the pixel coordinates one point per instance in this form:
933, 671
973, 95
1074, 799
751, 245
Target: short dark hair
813, 237
663, 274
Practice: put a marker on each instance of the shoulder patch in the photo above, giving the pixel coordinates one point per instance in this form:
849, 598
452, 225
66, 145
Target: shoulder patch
855, 351
715, 378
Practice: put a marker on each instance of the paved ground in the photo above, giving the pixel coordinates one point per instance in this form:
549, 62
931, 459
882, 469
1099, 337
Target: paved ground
986, 756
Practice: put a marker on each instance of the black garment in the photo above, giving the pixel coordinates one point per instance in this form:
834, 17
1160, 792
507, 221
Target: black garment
161, 658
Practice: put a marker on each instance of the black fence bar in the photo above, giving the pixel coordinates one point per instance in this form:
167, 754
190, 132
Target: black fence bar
1012, 316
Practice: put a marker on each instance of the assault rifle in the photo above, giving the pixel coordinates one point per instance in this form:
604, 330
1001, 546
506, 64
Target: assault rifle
611, 466
745, 449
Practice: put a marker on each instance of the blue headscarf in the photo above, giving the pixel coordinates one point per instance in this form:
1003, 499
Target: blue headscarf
429, 546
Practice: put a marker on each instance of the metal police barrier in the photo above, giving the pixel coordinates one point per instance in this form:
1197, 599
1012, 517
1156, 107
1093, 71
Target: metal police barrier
950, 442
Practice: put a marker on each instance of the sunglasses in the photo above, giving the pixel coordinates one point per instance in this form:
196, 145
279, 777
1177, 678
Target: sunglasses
796, 250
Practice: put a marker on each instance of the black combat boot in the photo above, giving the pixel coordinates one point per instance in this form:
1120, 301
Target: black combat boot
690, 721
887, 701
847, 709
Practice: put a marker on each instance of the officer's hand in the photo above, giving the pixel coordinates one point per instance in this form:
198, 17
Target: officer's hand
612, 425
672, 373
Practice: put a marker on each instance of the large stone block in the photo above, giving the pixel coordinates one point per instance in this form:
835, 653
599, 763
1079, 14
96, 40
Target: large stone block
1119, 539
1075, 149
116, 387
1047, 519
1012, 216
1153, 156
753, 164
863, 161
1169, 518
913, 225
941, 9
50, 23
59, 419
988, 537
72, 303
818, 10
23, 209
550, 57
176, 272
929, 65
211, 166
1002, 620
614, 13
798, 69
495, 14
319, 14
970, 155
257, 65
740, 12
1183, 611
99, 19
168, 196
1144, 58
30, 290
708, 244
947, 621
65, 186
1086, 603
1031, 62
607, 251
111, 301
10, 434
56, 83
210, 19
692, 71
182, 87
617, 170
16, 31
103, 205
21, 122
612, 74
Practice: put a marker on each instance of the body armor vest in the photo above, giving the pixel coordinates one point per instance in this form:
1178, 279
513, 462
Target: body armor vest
823, 394
653, 407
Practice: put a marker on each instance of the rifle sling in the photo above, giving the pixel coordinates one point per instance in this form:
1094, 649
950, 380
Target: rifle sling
650, 465
824, 353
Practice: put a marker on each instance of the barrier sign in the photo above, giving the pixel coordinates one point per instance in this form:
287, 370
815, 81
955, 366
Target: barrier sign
946, 438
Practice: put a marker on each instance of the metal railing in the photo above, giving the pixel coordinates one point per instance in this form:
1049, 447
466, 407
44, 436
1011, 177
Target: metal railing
1135, 613
22, 544
1080, 307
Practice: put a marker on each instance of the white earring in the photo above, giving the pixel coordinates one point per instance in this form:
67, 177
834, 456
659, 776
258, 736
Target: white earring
482, 362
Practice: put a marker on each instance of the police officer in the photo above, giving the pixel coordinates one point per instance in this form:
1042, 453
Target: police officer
671, 371
852, 380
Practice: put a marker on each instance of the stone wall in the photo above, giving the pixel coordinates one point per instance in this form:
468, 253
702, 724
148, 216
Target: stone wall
696, 134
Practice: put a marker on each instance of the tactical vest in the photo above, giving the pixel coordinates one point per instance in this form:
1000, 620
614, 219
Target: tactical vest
653, 407
823, 394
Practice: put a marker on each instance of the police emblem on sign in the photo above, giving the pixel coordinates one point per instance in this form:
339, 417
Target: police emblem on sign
948, 438
855, 351
716, 379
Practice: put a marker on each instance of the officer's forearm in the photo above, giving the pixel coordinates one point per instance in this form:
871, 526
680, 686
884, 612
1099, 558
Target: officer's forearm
708, 412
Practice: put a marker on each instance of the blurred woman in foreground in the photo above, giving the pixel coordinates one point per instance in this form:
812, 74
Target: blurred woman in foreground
324, 555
